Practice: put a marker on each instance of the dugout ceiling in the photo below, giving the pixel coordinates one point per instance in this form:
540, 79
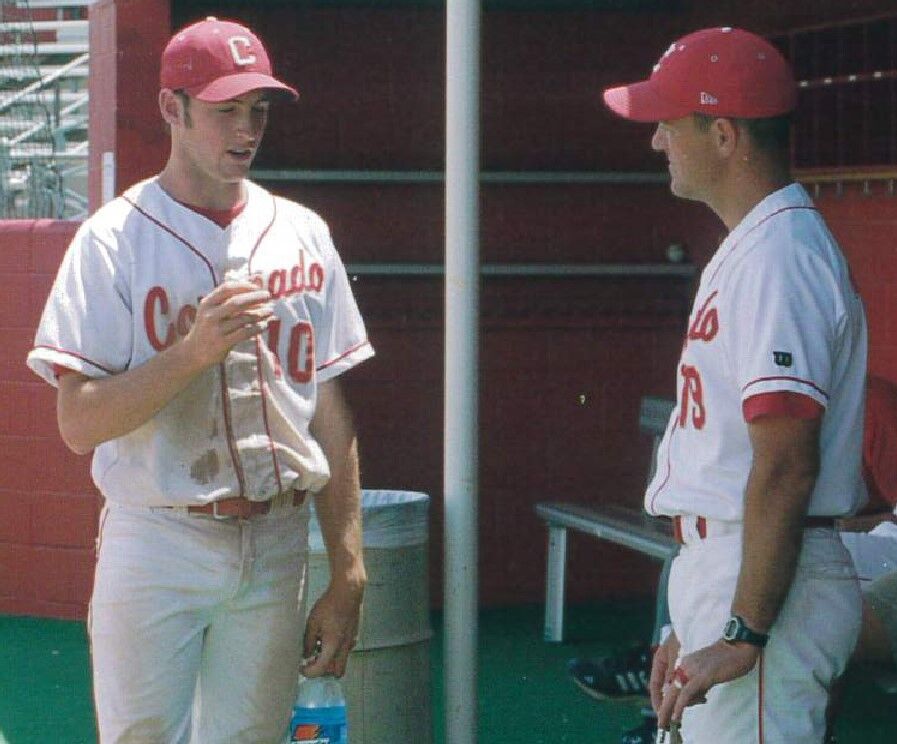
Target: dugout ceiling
559, 5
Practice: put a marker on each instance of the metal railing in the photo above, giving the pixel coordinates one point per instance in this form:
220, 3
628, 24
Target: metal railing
43, 114
43, 83
437, 177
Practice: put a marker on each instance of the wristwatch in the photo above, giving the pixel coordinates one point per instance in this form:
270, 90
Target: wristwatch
735, 630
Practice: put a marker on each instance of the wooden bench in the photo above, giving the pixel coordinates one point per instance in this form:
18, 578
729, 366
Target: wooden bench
625, 526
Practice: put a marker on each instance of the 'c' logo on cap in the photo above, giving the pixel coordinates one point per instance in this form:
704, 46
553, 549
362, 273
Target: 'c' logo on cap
237, 44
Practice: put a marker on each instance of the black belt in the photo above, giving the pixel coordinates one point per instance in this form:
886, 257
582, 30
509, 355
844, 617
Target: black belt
814, 521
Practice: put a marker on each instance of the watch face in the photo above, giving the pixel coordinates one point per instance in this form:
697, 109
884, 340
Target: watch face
735, 631
730, 631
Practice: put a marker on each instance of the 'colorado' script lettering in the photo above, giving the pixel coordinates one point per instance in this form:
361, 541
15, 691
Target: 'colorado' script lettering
164, 326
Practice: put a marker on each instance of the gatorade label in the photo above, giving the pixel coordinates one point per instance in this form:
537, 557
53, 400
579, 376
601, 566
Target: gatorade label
313, 733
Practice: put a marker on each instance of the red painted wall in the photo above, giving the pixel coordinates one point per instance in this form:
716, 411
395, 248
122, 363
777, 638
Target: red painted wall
866, 225
48, 508
564, 362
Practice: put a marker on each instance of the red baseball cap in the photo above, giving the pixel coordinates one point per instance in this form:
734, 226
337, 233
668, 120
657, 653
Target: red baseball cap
218, 60
716, 71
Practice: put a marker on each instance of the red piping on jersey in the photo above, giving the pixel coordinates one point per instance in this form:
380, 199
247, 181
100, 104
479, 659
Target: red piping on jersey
263, 387
790, 379
228, 427
669, 471
263, 234
76, 356
766, 218
225, 399
173, 234
342, 356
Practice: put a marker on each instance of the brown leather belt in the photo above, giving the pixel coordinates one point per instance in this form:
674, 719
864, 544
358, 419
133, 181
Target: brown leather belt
701, 525
239, 507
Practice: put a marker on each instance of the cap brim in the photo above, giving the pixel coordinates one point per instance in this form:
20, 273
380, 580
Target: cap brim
233, 86
640, 102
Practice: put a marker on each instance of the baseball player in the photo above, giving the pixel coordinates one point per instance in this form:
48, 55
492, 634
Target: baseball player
874, 555
196, 332
762, 451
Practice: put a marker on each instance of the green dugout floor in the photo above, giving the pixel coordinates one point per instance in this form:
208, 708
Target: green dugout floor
525, 695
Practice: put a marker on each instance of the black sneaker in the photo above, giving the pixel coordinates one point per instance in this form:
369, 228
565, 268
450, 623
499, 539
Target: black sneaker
646, 733
619, 677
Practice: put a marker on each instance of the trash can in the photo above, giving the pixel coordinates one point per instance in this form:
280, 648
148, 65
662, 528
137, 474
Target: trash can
387, 681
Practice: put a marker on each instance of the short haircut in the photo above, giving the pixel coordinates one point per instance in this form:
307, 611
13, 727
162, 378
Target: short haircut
771, 135
185, 100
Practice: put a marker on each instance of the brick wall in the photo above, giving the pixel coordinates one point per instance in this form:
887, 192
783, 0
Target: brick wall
48, 508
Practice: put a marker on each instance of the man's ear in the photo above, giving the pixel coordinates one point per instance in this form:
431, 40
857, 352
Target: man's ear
171, 107
726, 135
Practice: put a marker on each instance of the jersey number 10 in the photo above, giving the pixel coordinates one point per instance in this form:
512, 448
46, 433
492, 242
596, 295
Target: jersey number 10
300, 350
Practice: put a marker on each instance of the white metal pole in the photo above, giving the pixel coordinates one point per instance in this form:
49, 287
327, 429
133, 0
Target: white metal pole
460, 459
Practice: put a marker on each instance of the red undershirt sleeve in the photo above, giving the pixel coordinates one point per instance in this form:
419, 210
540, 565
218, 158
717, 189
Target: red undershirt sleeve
782, 404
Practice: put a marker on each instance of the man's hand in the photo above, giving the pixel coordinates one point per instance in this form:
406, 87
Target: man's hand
94, 410
333, 621
233, 312
334, 618
690, 679
662, 669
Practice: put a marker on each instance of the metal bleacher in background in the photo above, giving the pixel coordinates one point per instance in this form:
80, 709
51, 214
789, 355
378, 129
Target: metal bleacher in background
43, 108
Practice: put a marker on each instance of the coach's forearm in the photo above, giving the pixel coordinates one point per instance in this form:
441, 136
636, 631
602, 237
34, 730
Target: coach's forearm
772, 541
780, 484
91, 411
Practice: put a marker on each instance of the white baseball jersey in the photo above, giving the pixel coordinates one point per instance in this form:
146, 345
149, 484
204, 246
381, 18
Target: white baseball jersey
129, 287
775, 312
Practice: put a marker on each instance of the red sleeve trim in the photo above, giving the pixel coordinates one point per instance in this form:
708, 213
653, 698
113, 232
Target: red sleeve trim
342, 356
787, 379
783, 404
76, 356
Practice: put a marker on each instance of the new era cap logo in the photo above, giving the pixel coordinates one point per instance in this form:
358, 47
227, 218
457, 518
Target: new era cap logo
708, 100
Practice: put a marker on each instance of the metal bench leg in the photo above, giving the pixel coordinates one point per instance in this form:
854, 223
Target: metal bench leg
555, 583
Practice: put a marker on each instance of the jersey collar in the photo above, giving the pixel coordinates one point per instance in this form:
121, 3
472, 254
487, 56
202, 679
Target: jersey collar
792, 195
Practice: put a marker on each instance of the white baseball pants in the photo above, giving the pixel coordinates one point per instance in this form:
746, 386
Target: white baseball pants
783, 700
874, 553
196, 626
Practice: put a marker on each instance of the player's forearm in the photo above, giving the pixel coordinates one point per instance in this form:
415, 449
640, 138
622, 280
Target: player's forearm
338, 507
338, 504
91, 411
776, 499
